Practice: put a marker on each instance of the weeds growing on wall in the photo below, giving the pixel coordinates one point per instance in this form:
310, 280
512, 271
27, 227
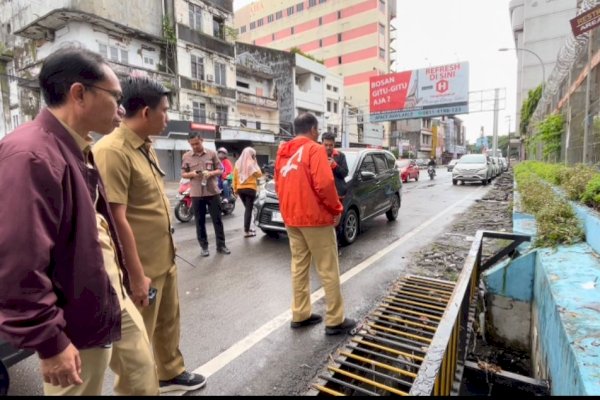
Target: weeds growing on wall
555, 219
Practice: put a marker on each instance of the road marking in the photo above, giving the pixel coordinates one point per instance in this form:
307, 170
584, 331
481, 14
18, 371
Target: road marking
223, 359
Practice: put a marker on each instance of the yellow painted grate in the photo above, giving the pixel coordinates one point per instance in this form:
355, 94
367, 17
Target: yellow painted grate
384, 356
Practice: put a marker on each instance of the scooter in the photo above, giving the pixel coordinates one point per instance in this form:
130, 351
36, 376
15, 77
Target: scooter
431, 171
183, 208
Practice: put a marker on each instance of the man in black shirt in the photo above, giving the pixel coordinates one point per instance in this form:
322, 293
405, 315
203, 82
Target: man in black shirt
337, 161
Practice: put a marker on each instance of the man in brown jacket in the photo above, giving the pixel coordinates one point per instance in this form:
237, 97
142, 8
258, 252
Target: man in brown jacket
56, 296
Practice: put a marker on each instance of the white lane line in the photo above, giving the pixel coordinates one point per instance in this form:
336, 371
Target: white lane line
213, 366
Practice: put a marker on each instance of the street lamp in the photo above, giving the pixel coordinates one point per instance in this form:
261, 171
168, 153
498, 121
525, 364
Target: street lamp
538, 57
543, 79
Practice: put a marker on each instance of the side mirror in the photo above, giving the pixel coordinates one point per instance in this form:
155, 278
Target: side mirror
367, 175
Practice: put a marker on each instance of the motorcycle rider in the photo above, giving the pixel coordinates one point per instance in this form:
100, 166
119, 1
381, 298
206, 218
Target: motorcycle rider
224, 181
431, 163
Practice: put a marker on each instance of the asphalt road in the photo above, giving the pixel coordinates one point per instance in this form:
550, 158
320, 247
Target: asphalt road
235, 308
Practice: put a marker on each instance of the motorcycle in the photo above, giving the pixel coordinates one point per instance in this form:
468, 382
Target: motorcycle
431, 171
183, 208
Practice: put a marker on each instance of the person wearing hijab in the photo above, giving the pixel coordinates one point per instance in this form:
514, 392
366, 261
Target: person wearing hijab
245, 179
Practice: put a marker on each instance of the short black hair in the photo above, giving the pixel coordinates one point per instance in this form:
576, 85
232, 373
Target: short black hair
140, 92
66, 66
328, 136
304, 123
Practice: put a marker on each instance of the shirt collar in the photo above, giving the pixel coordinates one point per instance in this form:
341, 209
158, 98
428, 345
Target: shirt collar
83, 144
131, 137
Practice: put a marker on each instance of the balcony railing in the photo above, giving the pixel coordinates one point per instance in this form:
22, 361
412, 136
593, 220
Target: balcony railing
205, 41
247, 98
207, 88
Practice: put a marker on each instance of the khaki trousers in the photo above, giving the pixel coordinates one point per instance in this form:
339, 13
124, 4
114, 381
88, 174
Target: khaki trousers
318, 244
130, 359
163, 325
93, 366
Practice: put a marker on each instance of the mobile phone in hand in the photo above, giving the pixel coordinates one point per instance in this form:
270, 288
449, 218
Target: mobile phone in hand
152, 295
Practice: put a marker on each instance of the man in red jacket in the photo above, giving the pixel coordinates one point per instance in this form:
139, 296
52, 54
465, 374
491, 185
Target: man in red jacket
311, 209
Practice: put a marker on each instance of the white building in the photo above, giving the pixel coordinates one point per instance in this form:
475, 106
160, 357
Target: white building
540, 27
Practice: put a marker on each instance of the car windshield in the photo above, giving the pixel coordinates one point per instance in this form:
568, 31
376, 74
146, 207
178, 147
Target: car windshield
452, 162
351, 157
402, 163
472, 159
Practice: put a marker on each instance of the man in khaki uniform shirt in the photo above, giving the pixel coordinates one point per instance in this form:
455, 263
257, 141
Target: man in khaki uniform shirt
131, 357
134, 185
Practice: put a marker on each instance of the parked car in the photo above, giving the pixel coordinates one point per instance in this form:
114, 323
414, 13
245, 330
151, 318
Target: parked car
408, 170
451, 164
374, 188
421, 163
495, 166
503, 163
9, 356
473, 168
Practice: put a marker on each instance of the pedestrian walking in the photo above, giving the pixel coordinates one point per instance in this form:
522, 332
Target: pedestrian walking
311, 209
203, 167
224, 178
134, 185
245, 182
61, 256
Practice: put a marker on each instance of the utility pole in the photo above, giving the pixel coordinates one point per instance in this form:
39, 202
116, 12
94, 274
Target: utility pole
496, 109
345, 140
508, 147
586, 120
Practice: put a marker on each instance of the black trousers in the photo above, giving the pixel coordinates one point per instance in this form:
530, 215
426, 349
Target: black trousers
247, 196
214, 209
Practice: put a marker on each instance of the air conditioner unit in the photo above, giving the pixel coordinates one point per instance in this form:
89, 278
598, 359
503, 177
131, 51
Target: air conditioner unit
210, 77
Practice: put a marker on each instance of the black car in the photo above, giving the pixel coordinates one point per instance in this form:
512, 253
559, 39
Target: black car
374, 188
8, 357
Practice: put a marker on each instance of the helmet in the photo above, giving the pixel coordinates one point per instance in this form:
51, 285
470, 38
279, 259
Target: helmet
222, 150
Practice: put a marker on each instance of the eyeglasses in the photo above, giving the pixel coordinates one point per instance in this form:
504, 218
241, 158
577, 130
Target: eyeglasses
116, 95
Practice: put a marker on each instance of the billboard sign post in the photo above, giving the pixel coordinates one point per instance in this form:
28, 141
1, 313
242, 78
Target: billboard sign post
422, 93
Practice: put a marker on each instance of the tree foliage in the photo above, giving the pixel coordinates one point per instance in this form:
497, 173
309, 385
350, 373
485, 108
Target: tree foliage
528, 107
550, 133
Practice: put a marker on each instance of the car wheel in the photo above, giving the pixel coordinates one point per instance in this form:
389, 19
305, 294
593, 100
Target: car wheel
392, 213
271, 234
417, 178
484, 182
350, 225
454, 181
4, 380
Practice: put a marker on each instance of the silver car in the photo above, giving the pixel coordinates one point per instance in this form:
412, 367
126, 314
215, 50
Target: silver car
473, 168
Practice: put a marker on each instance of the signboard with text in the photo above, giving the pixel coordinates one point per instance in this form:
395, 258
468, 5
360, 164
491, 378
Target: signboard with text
426, 92
586, 21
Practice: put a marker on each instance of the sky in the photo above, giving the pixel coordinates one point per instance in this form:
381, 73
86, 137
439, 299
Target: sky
437, 32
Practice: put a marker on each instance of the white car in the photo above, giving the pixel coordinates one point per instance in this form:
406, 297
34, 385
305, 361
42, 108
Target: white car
473, 168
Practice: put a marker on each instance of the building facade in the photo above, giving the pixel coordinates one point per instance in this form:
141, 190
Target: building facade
540, 27
350, 37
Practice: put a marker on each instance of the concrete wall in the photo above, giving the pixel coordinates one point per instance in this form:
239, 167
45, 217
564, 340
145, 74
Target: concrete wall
509, 294
139, 15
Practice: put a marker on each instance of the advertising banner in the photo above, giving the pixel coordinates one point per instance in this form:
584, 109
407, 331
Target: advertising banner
586, 21
426, 92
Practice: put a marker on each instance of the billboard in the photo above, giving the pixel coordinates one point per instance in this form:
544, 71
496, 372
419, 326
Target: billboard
422, 93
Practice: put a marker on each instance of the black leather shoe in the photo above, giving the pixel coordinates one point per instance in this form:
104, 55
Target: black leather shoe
223, 250
204, 253
312, 320
345, 327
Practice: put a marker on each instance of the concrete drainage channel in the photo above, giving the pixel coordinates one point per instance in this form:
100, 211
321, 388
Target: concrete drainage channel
384, 356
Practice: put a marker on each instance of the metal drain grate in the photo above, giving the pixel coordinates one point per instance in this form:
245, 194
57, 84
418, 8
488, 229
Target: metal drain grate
383, 358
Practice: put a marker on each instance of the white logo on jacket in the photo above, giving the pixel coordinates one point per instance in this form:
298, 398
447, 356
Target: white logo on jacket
289, 166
